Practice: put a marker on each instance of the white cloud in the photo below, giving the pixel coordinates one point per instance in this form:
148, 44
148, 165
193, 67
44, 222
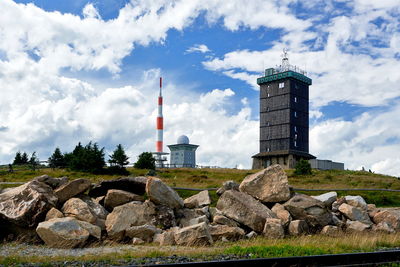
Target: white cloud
372, 141
202, 48
89, 11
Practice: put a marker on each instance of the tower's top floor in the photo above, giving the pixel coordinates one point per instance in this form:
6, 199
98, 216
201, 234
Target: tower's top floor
283, 71
273, 74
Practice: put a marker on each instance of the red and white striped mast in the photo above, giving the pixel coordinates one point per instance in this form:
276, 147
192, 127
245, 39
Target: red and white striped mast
160, 123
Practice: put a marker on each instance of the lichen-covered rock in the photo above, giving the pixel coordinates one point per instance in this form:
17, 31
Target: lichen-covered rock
355, 214
298, 227
52, 182
220, 232
390, 216
244, 209
356, 226
166, 238
221, 219
282, 214
127, 215
268, 185
76, 207
184, 216
116, 197
198, 220
273, 229
356, 201
62, 233
198, 200
228, 185
93, 230
136, 185
327, 198
71, 189
53, 213
313, 211
162, 194
27, 205
331, 230
194, 235
98, 210
144, 232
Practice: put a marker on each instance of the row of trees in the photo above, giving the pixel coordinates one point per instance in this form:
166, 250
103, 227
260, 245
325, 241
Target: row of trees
89, 158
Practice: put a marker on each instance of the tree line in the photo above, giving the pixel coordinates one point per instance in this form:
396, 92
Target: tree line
90, 158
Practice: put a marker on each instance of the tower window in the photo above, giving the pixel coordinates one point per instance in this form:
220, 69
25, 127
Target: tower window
267, 123
295, 136
295, 143
268, 95
295, 99
295, 114
267, 109
295, 129
281, 85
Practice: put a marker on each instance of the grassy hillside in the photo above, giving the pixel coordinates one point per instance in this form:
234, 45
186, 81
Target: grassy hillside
212, 178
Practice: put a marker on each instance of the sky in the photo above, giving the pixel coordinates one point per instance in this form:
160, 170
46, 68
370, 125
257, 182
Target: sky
78, 71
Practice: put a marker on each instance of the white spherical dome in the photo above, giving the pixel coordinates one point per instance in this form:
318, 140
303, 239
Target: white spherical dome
183, 139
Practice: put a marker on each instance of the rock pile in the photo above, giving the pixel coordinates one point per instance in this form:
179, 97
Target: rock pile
68, 214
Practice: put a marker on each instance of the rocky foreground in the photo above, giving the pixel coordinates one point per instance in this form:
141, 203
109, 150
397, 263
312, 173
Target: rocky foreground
138, 210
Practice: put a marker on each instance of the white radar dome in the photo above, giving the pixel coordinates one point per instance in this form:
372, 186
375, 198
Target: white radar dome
183, 139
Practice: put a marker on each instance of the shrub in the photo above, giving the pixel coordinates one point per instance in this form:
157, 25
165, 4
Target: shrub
145, 161
302, 167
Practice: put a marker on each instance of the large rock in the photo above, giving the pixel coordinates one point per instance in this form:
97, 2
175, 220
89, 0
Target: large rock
93, 230
160, 193
116, 197
52, 182
131, 214
198, 220
98, 210
268, 185
298, 227
166, 238
199, 200
71, 189
144, 232
228, 185
273, 229
327, 198
53, 213
356, 201
164, 217
282, 213
313, 211
355, 214
62, 233
220, 232
221, 219
389, 216
244, 209
27, 205
136, 185
383, 227
331, 230
195, 235
76, 207
356, 226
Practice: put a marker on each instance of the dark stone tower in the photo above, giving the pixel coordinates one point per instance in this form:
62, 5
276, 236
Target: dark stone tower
283, 116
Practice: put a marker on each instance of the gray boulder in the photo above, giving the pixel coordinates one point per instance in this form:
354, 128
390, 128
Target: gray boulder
62, 233
52, 182
356, 201
355, 214
71, 189
199, 200
313, 211
221, 219
228, 185
27, 205
273, 229
327, 198
116, 197
220, 232
356, 226
298, 227
145, 232
282, 214
244, 209
390, 216
75, 207
268, 185
160, 193
194, 235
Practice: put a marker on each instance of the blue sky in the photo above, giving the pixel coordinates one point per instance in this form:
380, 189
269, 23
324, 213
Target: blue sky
81, 70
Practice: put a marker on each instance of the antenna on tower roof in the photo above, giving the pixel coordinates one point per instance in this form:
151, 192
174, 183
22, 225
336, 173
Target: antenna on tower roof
285, 60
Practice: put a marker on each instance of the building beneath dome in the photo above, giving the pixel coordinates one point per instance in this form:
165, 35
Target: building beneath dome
183, 154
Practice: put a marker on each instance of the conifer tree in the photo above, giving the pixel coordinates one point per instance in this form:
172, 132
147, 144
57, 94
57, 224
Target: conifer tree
57, 159
118, 157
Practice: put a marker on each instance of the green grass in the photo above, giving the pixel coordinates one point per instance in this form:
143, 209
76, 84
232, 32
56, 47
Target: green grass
276, 251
